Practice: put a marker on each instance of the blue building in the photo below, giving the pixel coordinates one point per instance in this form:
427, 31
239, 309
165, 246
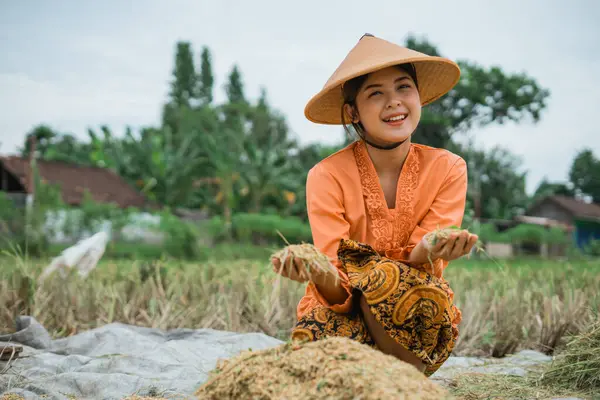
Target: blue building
582, 217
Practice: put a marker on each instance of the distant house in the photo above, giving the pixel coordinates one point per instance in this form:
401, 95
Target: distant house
583, 219
104, 185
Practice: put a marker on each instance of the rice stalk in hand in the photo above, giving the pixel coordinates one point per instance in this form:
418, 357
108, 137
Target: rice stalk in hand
310, 257
433, 238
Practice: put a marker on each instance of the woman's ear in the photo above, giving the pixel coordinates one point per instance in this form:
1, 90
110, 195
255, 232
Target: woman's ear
351, 113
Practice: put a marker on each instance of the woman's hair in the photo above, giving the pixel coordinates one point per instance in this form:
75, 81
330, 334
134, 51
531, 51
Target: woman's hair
350, 91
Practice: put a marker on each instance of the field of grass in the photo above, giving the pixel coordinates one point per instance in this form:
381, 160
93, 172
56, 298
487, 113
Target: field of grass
506, 306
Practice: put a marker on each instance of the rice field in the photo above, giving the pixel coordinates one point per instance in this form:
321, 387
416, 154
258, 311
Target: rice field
506, 306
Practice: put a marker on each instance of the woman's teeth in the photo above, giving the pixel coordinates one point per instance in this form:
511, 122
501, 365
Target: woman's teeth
398, 118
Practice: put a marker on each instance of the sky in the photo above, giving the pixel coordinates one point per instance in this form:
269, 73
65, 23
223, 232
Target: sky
78, 65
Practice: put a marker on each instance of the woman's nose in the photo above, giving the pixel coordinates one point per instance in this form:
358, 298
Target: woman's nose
393, 103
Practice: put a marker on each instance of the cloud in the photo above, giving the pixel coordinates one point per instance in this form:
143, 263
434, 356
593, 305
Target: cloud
70, 106
75, 65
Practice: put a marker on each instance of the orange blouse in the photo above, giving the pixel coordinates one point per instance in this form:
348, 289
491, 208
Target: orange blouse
345, 200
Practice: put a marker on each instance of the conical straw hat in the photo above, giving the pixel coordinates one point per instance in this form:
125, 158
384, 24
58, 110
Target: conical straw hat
436, 76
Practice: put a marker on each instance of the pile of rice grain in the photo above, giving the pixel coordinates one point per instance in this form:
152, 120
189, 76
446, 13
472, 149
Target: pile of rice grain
334, 368
11, 396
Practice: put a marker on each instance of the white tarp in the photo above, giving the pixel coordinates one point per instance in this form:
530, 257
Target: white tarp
118, 360
83, 256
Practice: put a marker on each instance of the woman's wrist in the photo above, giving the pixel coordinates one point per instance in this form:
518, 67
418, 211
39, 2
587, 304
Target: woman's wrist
419, 254
330, 287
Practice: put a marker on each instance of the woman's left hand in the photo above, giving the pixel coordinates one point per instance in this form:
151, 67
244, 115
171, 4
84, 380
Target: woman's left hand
457, 244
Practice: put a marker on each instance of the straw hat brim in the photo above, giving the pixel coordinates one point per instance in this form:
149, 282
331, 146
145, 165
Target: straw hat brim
436, 76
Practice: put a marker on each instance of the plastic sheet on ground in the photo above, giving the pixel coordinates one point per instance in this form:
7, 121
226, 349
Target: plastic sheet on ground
118, 360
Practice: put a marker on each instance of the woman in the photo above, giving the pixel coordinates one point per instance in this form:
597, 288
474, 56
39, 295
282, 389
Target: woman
372, 204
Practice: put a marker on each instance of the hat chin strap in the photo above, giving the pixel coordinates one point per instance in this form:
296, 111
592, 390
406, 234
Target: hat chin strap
388, 147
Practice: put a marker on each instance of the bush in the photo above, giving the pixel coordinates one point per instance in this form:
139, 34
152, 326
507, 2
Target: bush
261, 229
239, 251
527, 233
592, 248
181, 238
556, 235
530, 233
90, 217
133, 251
178, 238
120, 251
215, 228
9, 215
12, 224
23, 229
488, 233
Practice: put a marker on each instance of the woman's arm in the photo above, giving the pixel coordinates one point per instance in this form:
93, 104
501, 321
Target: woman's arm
446, 210
326, 215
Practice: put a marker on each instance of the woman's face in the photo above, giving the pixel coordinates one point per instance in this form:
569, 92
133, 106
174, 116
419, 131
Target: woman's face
388, 106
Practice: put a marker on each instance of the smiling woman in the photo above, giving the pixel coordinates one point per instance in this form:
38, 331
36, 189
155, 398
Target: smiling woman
373, 205
372, 91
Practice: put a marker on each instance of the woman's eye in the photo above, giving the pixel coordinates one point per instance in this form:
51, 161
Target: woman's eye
374, 93
404, 87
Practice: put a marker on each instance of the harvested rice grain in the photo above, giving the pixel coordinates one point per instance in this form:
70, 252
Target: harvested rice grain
309, 255
333, 368
434, 237
12, 396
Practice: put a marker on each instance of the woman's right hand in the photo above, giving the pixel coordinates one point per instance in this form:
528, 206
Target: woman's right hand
327, 283
295, 268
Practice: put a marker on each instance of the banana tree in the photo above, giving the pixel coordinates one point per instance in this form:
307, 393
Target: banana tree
224, 153
160, 166
271, 169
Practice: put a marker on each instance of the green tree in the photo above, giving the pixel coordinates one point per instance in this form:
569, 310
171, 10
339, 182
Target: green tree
585, 174
267, 125
55, 146
224, 162
206, 78
547, 188
235, 87
483, 96
269, 169
44, 139
236, 110
183, 87
197, 123
496, 186
183, 83
161, 167
70, 150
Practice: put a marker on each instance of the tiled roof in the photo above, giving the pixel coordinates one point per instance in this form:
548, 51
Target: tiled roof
104, 185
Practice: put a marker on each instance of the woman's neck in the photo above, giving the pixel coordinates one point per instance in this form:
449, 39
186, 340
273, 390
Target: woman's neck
389, 162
